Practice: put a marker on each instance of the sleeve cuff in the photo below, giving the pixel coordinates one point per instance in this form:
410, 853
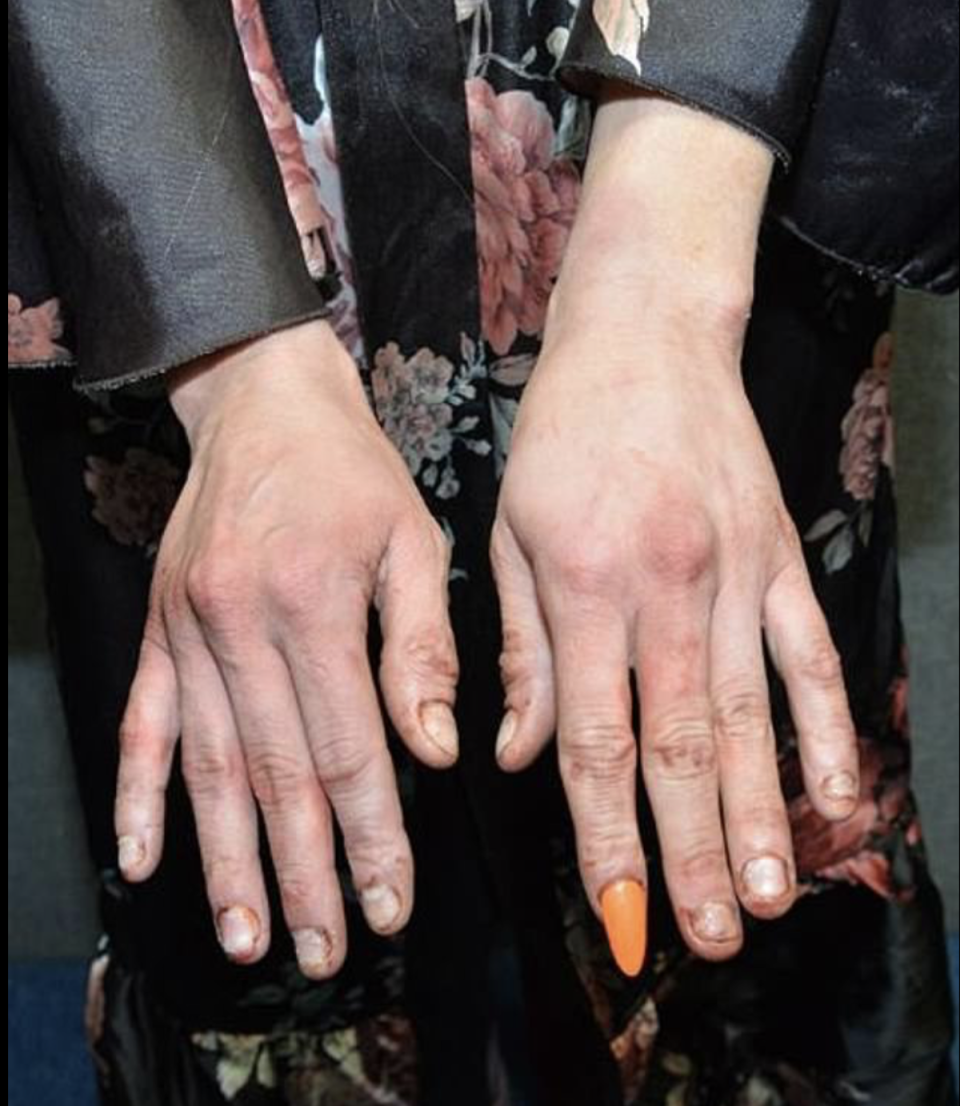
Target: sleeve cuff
752, 62
161, 207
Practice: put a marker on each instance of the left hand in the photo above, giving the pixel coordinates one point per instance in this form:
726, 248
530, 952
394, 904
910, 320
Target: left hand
641, 526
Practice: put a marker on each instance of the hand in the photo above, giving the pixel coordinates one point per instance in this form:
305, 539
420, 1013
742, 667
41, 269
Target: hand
297, 514
641, 526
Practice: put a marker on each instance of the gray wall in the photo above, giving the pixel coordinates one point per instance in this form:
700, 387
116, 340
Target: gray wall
925, 399
50, 886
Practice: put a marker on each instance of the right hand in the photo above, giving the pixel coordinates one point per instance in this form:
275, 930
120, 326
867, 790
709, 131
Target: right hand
296, 516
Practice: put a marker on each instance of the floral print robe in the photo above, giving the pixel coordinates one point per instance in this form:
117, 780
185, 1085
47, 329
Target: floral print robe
503, 989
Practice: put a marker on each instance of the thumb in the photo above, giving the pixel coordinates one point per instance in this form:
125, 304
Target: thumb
526, 662
418, 666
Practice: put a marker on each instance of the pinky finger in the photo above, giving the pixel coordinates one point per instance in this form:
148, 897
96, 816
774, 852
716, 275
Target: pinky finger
148, 736
803, 651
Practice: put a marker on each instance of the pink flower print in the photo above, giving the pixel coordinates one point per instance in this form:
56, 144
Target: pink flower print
867, 428
526, 199
31, 332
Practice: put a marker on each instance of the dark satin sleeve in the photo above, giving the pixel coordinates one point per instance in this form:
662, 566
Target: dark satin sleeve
754, 62
857, 97
161, 209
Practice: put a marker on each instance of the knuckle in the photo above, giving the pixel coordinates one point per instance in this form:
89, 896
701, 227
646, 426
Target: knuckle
174, 605
517, 658
137, 738
278, 780
210, 771
218, 590
379, 853
291, 585
222, 872
427, 654
679, 547
764, 821
681, 750
586, 568
345, 764
298, 890
599, 753
702, 865
740, 715
603, 849
820, 663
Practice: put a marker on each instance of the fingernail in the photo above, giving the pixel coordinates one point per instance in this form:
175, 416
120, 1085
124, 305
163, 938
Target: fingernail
766, 877
238, 930
624, 906
841, 787
508, 730
314, 950
715, 922
131, 852
381, 906
439, 725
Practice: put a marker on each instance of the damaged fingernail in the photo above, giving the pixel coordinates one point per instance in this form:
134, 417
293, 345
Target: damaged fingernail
131, 852
841, 786
314, 947
508, 730
381, 906
439, 725
715, 922
766, 877
238, 929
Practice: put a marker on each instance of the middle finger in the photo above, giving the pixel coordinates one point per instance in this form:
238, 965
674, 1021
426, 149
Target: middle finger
680, 770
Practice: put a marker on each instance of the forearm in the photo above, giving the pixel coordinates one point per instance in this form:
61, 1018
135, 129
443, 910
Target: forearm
668, 220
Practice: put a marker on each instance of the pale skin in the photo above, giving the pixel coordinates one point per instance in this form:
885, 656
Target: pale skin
640, 527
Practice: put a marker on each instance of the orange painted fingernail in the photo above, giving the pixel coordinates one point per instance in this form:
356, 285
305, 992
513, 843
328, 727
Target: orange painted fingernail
624, 906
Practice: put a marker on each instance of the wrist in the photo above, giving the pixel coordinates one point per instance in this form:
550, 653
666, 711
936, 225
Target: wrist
201, 390
667, 227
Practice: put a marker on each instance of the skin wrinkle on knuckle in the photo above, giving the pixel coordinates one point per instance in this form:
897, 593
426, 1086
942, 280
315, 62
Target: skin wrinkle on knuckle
520, 691
208, 772
741, 715
597, 754
700, 864
332, 660
517, 663
679, 751
384, 856
298, 889
277, 779
820, 664
601, 853
345, 764
426, 655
